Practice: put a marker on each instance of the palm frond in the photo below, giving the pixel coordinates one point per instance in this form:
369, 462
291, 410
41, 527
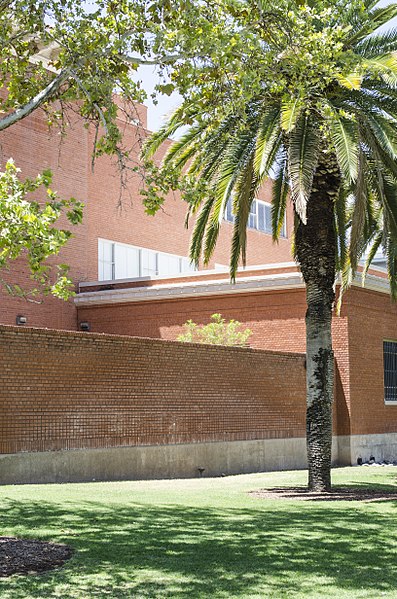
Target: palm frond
234, 169
357, 241
378, 45
344, 136
231, 168
290, 113
379, 152
391, 256
375, 19
375, 246
177, 120
381, 16
303, 148
213, 145
370, 101
246, 188
196, 242
280, 190
388, 199
385, 132
178, 152
267, 142
341, 222
384, 66
346, 278
351, 81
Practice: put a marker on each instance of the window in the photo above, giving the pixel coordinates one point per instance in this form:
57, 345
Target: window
253, 217
390, 370
122, 261
148, 263
229, 216
126, 260
106, 260
260, 217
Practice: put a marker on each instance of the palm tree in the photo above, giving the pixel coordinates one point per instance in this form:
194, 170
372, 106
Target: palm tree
330, 144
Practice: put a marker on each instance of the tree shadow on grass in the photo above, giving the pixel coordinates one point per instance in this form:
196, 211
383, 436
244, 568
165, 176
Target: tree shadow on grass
174, 551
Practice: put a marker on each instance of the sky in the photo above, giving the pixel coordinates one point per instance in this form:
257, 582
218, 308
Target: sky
166, 105
157, 114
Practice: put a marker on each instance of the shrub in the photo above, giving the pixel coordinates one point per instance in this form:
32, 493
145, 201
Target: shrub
216, 332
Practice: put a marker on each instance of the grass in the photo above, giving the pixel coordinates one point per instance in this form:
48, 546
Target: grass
207, 538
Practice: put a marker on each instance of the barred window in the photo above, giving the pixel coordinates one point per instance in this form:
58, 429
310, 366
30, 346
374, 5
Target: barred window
390, 370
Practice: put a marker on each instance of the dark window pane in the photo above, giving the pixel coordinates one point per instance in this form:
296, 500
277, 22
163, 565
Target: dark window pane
390, 370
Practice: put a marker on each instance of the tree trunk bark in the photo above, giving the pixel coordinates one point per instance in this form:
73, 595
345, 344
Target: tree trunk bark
315, 247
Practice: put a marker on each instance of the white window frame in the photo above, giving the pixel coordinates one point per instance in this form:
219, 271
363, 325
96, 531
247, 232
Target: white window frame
268, 230
102, 262
181, 260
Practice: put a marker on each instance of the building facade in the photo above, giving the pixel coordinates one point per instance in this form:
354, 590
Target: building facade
133, 279
117, 239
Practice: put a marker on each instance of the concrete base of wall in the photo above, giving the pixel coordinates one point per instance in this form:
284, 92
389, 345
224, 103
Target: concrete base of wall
153, 462
184, 461
381, 447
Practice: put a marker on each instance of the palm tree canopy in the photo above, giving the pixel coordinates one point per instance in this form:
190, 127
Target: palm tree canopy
315, 80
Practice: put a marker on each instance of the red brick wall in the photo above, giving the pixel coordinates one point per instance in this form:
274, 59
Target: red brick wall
34, 148
372, 318
64, 390
277, 320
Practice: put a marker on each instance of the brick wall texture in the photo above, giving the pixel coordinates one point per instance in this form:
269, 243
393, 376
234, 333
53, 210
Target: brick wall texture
277, 319
66, 390
110, 212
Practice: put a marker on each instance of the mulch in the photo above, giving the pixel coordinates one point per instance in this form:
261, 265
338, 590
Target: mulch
25, 556
337, 494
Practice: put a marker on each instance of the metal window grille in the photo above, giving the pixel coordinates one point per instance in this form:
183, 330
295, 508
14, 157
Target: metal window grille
390, 370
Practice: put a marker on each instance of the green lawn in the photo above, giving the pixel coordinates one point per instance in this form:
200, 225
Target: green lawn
207, 538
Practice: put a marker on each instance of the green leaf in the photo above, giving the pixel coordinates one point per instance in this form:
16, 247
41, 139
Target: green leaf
166, 89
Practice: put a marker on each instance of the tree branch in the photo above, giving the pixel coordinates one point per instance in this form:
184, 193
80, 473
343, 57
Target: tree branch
158, 61
35, 102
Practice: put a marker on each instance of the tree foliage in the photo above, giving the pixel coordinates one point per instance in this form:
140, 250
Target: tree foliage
217, 332
28, 228
62, 56
275, 86
56, 54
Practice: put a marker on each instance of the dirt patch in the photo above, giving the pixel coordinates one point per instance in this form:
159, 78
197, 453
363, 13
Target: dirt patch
24, 556
337, 494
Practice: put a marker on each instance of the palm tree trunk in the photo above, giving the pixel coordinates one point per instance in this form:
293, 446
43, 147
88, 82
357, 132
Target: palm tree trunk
315, 247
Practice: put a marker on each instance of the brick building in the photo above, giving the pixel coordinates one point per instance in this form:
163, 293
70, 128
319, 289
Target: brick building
117, 239
134, 279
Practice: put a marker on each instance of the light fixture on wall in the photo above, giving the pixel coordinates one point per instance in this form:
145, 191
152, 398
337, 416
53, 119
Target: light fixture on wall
85, 326
21, 320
